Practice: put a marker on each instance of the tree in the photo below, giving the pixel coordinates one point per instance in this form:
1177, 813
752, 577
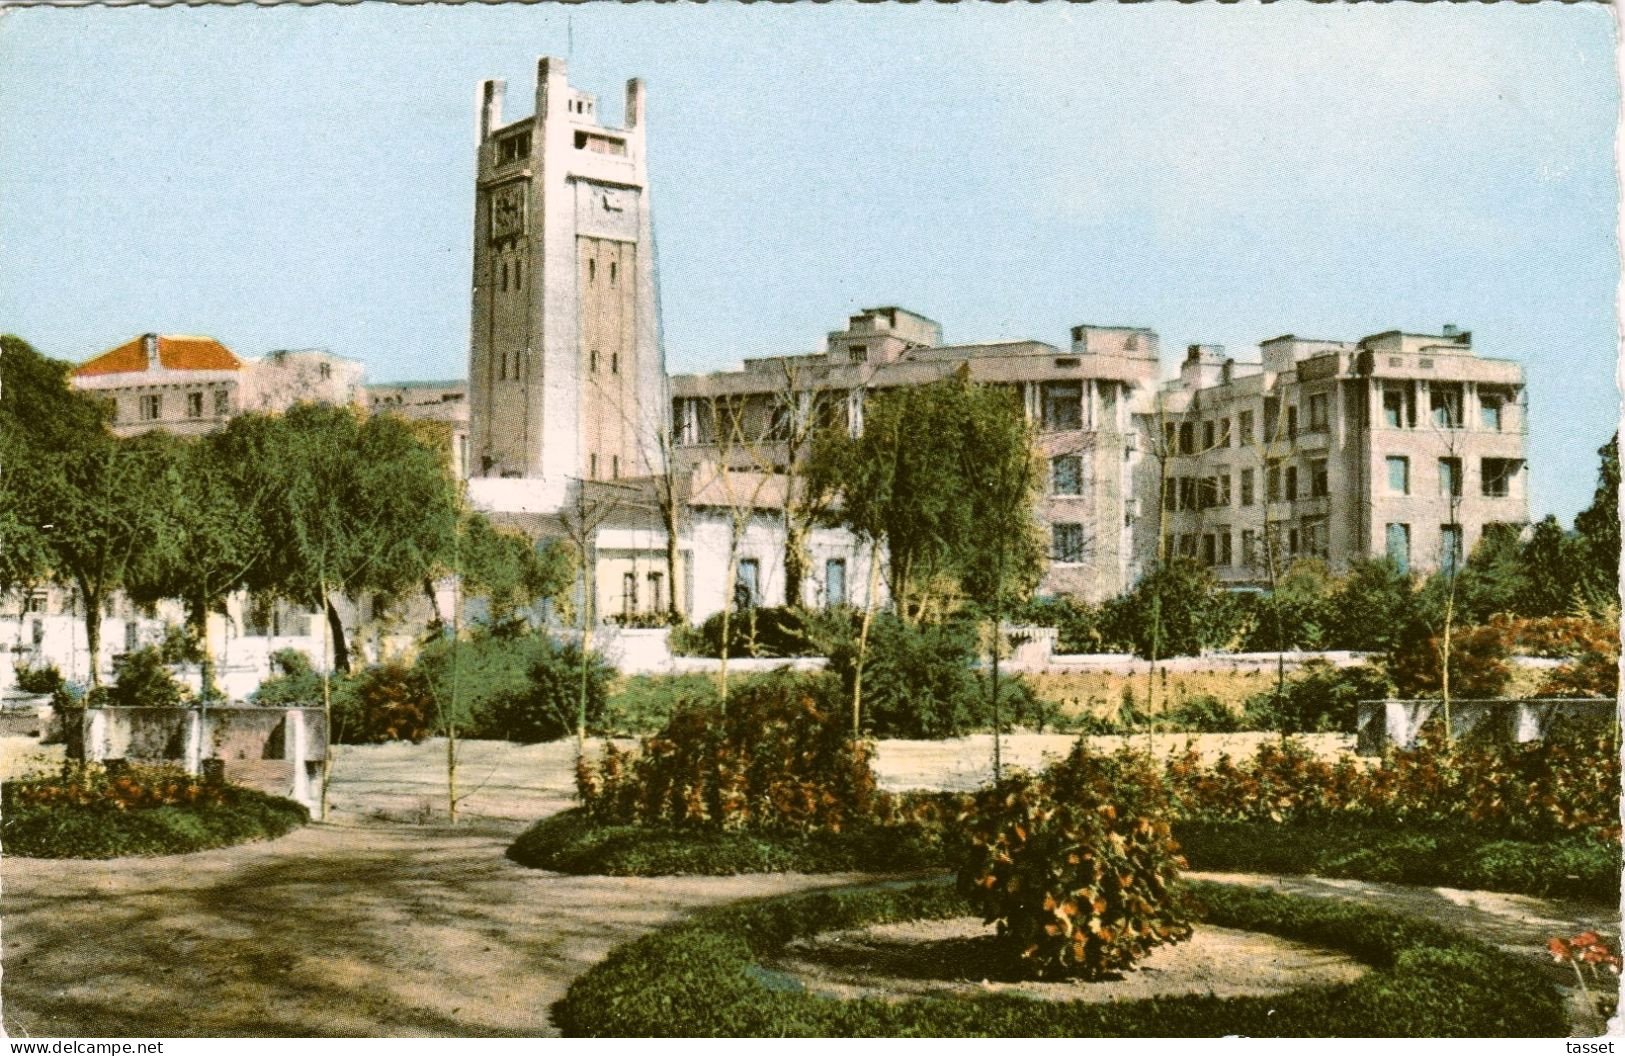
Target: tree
41, 418
508, 568
220, 497
110, 506
360, 506
1598, 528
1554, 566
1372, 604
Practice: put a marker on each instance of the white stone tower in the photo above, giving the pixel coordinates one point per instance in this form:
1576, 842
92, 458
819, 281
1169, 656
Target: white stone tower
565, 374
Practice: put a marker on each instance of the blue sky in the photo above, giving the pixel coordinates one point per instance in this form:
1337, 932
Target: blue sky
289, 178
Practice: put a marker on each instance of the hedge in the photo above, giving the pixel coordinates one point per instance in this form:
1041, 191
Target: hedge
1572, 867
103, 831
704, 978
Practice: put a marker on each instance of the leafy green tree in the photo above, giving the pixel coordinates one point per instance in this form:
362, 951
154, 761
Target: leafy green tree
110, 504
1553, 562
1373, 603
1598, 528
41, 418
1494, 580
361, 505
508, 568
1176, 609
219, 503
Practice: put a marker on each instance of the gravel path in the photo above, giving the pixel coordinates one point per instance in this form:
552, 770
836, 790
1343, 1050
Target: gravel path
373, 925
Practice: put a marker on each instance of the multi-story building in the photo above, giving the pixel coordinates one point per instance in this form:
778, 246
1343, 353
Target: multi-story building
1082, 401
194, 385
1398, 445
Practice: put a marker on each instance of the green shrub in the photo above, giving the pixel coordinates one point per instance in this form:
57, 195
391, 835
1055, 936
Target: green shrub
548, 705
703, 978
292, 681
386, 702
1176, 609
1202, 714
44, 679
143, 680
762, 632
645, 703
918, 681
1320, 698
774, 759
1077, 867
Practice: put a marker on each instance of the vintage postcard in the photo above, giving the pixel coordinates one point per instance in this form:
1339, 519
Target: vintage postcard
595, 520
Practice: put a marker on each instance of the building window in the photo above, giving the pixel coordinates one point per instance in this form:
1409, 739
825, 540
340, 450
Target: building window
152, 408
857, 354
629, 594
1225, 439
1066, 475
1224, 489
222, 402
1445, 400
1187, 493
657, 591
1291, 422
1187, 438
518, 274
1396, 404
502, 367
614, 270
1449, 548
513, 148
1207, 493
835, 582
1246, 487
1399, 475
592, 361
1244, 427
1108, 403
592, 465
1170, 493
1292, 541
748, 587
614, 362
1496, 476
1061, 405
1170, 439
1314, 537
1069, 544
615, 466
1272, 484
1187, 545
1399, 546
1210, 549
1317, 413
1249, 547
1450, 478
1209, 435
592, 270
194, 405
1226, 557
1291, 483
1319, 479
1490, 403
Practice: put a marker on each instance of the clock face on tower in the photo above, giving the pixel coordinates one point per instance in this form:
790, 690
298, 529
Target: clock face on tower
507, 211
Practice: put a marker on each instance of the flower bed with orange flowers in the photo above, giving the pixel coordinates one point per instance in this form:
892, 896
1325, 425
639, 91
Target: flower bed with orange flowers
86, 811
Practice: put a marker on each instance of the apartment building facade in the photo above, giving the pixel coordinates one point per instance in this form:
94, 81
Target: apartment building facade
1082, 399
1400, 445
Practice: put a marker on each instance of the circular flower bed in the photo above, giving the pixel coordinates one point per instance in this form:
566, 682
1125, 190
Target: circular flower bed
711, 976
88, 812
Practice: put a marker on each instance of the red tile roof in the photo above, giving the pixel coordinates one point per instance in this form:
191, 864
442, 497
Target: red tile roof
174, 353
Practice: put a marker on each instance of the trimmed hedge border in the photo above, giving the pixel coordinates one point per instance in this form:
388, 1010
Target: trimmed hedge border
107, 832
702, 978
1577, 867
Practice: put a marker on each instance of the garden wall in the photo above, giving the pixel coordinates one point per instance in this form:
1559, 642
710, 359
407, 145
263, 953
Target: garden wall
1397, 723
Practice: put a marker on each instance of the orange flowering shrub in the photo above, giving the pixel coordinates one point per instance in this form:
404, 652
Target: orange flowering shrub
134, 788
1568, 783
1077, 866
776, 759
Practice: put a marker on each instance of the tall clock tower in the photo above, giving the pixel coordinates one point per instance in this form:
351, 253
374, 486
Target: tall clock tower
565, 373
